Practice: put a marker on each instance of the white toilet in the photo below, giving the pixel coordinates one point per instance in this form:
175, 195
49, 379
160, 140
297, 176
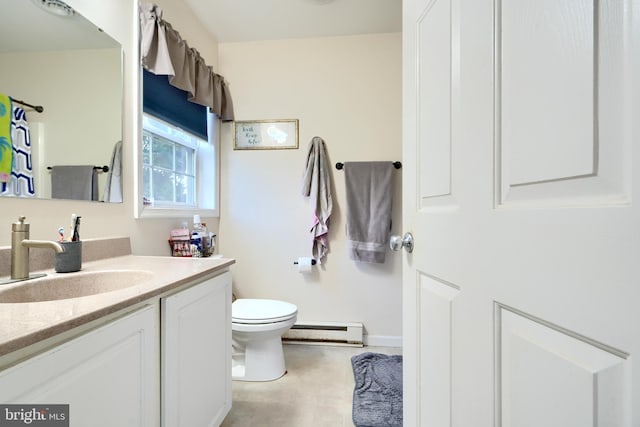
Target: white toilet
257, 328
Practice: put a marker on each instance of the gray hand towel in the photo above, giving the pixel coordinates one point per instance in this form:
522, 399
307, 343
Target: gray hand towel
369, 198
74, 182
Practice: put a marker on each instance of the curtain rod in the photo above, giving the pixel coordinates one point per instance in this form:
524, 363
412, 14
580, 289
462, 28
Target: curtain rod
103, 168
396, 165
38, 108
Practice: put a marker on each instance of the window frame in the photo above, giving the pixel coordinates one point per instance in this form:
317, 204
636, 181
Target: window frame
204, 172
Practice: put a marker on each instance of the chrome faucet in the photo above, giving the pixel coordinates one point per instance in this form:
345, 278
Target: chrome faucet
20, 245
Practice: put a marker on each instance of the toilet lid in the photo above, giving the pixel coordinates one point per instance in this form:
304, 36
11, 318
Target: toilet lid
245, 310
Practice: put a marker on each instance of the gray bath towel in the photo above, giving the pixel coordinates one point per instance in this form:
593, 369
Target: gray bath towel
316, 184
369, 198
74, 182
377, 395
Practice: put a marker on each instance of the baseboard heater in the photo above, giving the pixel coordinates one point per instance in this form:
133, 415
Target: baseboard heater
325, 333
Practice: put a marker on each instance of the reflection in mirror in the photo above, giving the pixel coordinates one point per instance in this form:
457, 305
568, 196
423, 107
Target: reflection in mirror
74, 71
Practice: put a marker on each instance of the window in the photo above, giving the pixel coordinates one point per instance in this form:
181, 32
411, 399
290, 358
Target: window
179, 157
168, 164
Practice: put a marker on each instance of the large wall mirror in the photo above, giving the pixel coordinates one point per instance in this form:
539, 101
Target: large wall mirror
74, 71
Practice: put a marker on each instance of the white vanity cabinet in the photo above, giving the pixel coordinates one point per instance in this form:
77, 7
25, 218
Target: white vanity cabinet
196, 354
165, 362
108, 376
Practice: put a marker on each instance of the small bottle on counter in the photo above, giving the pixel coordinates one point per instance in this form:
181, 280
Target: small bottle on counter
209, 241
212, 243
199, 237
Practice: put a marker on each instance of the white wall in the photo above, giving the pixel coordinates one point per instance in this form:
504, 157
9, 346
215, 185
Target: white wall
69, 132
119, 18
346, 90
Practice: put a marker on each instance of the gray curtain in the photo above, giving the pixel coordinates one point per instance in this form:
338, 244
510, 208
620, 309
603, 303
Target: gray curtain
164, 52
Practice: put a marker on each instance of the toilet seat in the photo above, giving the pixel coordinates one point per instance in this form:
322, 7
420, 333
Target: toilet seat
261, 311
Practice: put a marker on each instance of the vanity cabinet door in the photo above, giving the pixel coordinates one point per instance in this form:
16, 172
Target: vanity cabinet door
196, 354
108, 376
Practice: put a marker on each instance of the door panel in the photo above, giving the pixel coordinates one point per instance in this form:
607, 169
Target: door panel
543, 106
561, 68
434, 103
551, 377
435, 299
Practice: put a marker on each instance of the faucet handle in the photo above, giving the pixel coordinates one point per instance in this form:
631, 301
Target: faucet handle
20, 225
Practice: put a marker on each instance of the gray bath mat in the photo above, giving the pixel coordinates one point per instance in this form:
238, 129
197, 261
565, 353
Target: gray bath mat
377, 396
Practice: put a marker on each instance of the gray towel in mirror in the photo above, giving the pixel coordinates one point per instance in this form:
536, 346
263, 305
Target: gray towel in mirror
113, 187
74, 182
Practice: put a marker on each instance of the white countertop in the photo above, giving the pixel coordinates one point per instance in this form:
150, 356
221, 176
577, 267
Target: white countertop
24, 324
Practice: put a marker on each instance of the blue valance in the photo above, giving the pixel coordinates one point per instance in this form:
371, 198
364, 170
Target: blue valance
170, 104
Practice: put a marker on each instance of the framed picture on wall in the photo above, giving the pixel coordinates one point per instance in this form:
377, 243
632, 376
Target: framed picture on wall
265, 134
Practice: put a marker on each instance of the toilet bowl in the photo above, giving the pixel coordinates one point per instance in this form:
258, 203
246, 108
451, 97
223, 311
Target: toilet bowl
257, 327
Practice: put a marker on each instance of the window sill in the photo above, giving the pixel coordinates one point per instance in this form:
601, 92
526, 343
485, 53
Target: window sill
156, 212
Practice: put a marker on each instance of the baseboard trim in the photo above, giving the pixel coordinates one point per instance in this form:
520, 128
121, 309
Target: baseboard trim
382, 341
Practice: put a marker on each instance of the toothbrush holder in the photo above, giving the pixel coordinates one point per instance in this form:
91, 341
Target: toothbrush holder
71, 259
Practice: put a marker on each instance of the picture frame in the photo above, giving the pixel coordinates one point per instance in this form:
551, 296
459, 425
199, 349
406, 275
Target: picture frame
265, 134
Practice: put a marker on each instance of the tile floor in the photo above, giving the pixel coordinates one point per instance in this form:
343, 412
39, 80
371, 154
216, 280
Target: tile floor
316, 391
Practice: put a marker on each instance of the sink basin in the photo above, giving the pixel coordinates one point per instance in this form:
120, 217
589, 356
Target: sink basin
73, 285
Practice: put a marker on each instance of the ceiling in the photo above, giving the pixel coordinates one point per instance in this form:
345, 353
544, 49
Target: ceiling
29, 28
228, 20
251, 20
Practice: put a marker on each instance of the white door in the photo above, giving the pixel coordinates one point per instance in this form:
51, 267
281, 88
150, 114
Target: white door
522, 294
